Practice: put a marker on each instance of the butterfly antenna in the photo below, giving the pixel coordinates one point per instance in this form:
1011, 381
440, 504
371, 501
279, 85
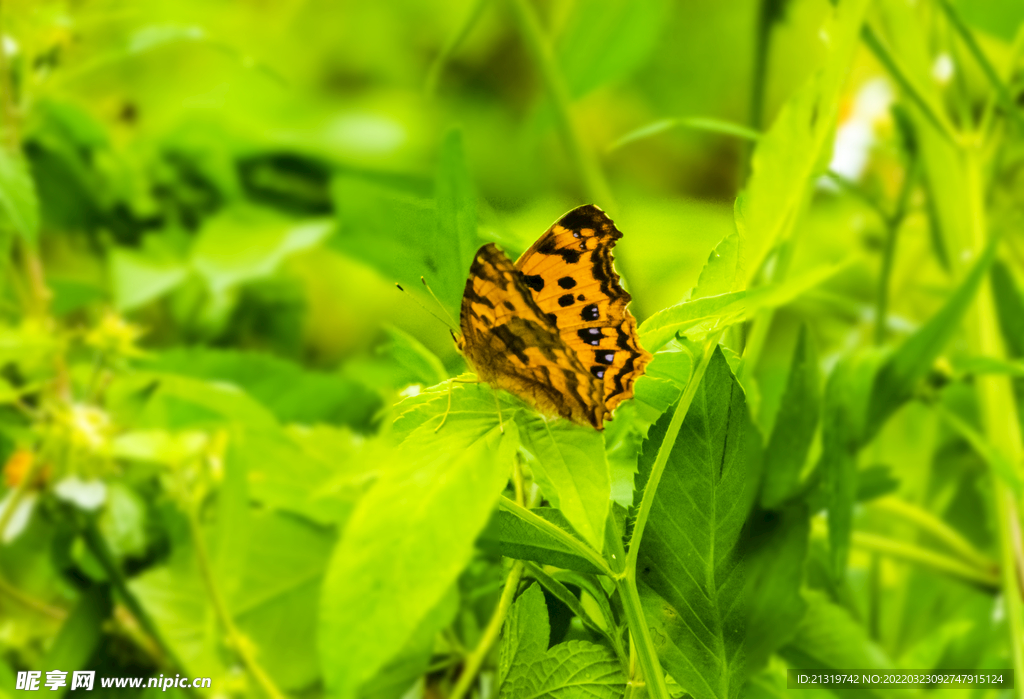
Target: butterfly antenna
437, 300
427, 310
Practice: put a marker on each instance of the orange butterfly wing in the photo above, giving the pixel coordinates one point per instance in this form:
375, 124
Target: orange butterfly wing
553, 328
514, 345
570, 272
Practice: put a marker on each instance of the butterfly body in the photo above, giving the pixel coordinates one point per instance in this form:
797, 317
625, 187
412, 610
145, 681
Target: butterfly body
553, 327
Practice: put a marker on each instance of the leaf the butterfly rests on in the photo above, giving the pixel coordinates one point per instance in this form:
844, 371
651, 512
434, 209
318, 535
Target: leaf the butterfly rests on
553, 328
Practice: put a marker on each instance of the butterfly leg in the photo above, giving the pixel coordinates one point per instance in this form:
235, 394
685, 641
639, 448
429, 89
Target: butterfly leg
448, 409
497, 404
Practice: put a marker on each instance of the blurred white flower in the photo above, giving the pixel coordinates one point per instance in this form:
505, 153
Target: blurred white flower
21, 515
88, 495
9, 45
410, 391
942, 69
858, 133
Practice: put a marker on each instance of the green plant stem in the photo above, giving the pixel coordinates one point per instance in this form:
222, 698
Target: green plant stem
98, 547
925, 557
886, 57
640, 635
928, 522
475, 659
593, 179
30, 602
574, 544
238, 642
892, 229
453, 43
990, 106
998, 413
1001, 92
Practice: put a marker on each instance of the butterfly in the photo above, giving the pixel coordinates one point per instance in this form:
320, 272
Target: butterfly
553, 328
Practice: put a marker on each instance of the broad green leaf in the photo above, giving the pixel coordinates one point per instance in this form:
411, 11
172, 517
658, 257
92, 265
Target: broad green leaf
410, 665
690, 570
795, 425
527, 668
407, 541
899, 375
291, 392
19, 208
467, 399
245, 244
721, 272
137, 278
455, 239
512, 537
568, 461
275, 604
277, 598
794, 151
318, 473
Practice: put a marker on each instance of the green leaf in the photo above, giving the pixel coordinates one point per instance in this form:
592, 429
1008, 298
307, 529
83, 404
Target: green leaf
795, 425
387, 226
777, 544
512, 537
274, 604
292, 393
721, 271
455, 239
662, 383
525, 637
690, 573
899, 375
528, 668
693, 318
568, 461
828, 638
698, 317
170, 402
419, 364
318, 473
80, 634
245, 244
277, 598
794, 151
19, 208
407, 541
138, 278
123, 521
